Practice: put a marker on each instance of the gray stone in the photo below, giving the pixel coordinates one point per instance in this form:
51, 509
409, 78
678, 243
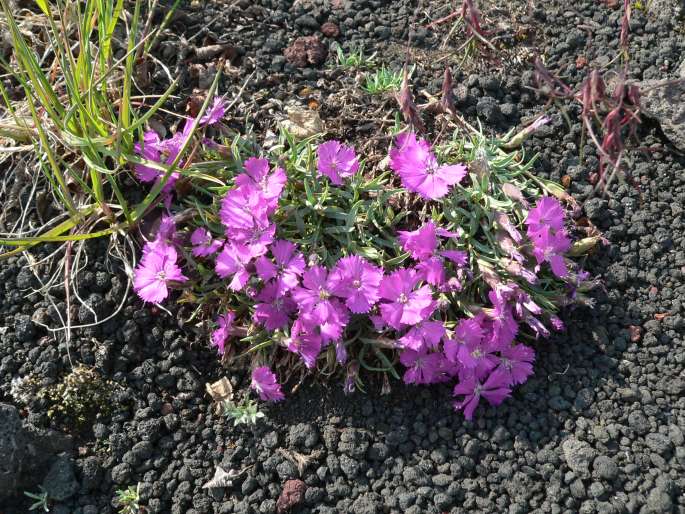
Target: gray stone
659, 443
287, 470
472, 448
577, 488
638, 422
675, 434
369, 503
596, 489
60, 482
353, 443
578, 455
12, 444
121, 473
672, 9
659, 502
303, 435
307, 21
664, 100
605, 467
442, 480
349, 466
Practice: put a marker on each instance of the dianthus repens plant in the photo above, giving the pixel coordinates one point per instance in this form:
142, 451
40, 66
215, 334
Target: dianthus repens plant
441, 266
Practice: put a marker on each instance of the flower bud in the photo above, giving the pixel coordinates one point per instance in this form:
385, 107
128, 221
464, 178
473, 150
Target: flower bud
583, 246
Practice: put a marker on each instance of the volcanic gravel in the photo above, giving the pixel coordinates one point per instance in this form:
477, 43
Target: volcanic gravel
599, 428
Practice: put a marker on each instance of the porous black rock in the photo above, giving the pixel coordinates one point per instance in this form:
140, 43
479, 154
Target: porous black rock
13, 442
60, 483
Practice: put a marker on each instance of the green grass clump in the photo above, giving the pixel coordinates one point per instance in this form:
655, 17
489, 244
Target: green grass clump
383, 80
354, 59
77, 115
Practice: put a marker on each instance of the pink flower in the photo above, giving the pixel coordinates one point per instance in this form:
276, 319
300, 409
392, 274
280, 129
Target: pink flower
221, 334
357, 281
336, 161
477, 358
432, 271
427, 334
458, 257
203, 243
468, 332
546, 214
315, 295
332, 325
422, 367
242, 209
304, 341
550, 247
420, 243
273, 310
256, 240
214, 112
232, 262
158, 150
405, 306
288, 267
150, 151
557, 323
156, 270
517, 362
256, 177
266, 385
326, 315
495, 389
504, 326
419, 170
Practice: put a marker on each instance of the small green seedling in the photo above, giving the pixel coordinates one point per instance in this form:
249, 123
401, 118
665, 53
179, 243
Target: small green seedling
382, 81
129, 500
245, 412
354, 59
41, 500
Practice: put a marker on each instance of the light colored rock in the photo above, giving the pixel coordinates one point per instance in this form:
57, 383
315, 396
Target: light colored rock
664, 100
579, 455
670, 8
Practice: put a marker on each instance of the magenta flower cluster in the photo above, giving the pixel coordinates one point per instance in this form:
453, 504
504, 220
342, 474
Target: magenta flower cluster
166, 150
312, 304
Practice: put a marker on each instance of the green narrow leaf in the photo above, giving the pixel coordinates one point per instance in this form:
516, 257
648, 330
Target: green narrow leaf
44, 7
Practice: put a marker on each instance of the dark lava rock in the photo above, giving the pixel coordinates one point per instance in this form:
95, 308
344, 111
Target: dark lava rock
121, 473
12, 444
60, 483
307, 21
306, 51
303, 435
488, 108
24, 329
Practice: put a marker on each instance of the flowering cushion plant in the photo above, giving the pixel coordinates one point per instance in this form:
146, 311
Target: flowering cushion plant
435, 270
